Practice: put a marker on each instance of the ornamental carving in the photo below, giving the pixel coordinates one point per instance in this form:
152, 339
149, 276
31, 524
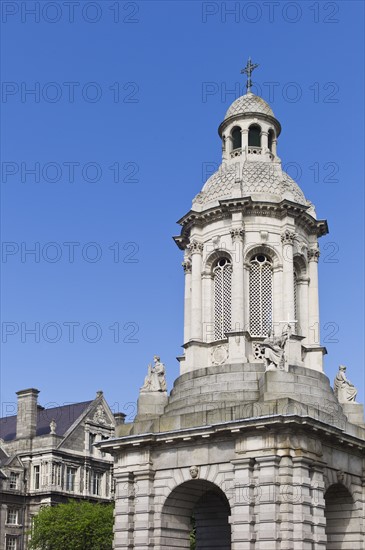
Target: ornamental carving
219, 355
195, 247
288, 237
187, 266
237, 233
313, 254
194, 472
99, 416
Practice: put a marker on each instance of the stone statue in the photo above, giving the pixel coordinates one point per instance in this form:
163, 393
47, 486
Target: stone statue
274, 347
155, 379
52, 427
344, 390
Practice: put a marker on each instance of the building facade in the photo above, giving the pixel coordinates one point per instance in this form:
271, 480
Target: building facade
47, 456
253, 449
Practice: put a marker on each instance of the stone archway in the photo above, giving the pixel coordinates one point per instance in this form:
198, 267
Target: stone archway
201, 503
343, 525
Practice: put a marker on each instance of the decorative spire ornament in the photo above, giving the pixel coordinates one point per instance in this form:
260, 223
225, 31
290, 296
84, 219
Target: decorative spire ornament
248, 70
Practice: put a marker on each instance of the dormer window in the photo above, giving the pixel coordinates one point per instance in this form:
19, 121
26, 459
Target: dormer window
254, 136
236, 138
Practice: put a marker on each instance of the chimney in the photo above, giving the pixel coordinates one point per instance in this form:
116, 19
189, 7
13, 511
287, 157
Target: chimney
26, 420
119, 418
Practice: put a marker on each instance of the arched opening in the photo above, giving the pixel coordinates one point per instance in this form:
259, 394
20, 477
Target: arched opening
222, 284
254, 136
196, 516
296, 302
261, 295
343, 527
236, 138
270, 139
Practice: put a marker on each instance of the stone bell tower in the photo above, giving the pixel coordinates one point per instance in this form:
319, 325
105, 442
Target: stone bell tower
250, 251
252, 449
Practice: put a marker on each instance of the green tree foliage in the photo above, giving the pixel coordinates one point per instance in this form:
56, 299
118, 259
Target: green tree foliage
73, 526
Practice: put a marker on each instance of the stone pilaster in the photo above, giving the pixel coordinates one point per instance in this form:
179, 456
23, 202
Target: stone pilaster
242, 516
302, 307
144, 509
124, 510
267, 503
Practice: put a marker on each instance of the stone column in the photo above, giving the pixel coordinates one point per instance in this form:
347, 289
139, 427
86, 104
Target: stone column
228, 146
302, 306
313, 315
243, 533
264, 141
124, 510
187, 299
196, 249
287, 239
274, 146
238, 319
208, 321
244, 141
277, 314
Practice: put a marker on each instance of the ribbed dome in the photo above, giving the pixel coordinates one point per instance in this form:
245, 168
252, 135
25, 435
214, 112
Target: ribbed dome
256, 178
249, 103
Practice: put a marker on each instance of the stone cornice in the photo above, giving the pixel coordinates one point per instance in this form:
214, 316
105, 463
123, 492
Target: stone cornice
248, 207
326, 433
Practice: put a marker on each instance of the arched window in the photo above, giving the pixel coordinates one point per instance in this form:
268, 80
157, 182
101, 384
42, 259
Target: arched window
260, 295
236, 138
254, 136
222, 278
270, 138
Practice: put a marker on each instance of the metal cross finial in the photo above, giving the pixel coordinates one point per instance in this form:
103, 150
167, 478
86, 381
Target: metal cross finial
248, 70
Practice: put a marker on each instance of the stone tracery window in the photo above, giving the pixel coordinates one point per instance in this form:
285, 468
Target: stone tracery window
222, 282
261, 295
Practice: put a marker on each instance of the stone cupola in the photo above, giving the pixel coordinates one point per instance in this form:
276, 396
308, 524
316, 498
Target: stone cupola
250, 251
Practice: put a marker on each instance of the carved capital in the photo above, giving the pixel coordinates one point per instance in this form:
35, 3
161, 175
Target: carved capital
237, 233
195, 247
187, 266
313, 254
287, 237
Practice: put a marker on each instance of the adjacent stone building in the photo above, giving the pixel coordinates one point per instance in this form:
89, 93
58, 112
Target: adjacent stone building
252, 449
47, 456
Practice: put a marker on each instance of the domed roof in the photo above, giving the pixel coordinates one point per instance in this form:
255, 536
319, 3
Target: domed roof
265, 180
249, 103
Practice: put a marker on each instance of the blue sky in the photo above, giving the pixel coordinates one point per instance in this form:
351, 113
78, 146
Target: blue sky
121, 132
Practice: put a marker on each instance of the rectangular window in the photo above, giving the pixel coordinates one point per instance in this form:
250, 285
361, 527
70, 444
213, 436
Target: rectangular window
14, 480
70, 478
12, 516
95, 483
92, 439
11, 542
37, 476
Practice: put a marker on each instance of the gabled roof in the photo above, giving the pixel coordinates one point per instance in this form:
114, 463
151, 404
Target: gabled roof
64, 417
